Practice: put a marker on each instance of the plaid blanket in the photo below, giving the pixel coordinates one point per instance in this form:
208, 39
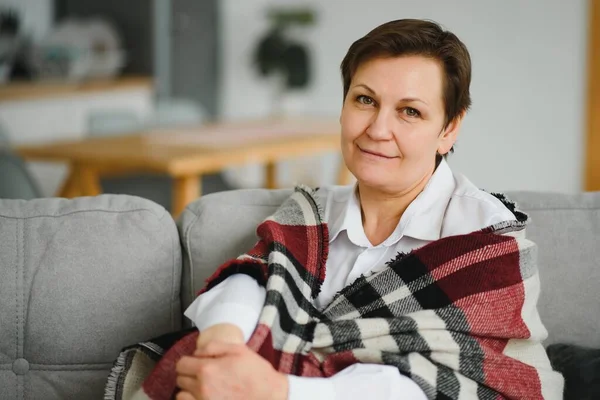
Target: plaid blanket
458, 316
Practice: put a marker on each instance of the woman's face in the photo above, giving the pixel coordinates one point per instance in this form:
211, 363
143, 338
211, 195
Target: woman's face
393, 122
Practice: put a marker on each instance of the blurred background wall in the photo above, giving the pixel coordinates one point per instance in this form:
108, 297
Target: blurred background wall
525, 130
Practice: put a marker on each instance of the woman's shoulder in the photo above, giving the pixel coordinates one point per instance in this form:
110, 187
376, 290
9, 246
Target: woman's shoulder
471, 208
468, 191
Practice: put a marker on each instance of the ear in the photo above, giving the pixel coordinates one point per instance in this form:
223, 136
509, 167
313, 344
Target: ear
449, 135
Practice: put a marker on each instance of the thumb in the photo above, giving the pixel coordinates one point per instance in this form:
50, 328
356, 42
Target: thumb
216, 348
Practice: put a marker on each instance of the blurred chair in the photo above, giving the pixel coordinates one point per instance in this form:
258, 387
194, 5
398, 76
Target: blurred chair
177, 112
4, 138
157, 188
113, 122
15, 180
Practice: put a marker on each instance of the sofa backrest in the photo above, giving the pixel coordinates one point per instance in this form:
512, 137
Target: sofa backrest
220, 226
81, 279
566, 228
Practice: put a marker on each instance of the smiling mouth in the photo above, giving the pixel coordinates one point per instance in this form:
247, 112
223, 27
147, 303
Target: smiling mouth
373, 153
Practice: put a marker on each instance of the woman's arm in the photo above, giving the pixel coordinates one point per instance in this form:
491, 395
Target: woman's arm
357, 382
225, 370
238, 300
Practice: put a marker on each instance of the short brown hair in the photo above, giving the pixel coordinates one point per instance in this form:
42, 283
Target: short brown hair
406, 37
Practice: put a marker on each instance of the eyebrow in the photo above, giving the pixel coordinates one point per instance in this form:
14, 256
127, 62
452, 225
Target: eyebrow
405, 100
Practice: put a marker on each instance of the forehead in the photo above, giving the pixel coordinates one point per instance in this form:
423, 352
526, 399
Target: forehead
401, 77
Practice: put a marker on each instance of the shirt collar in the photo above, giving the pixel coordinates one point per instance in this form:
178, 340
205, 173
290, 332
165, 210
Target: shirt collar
425, 215
422, 219
343, 219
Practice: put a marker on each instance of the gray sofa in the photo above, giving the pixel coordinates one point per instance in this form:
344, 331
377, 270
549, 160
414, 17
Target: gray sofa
83, 278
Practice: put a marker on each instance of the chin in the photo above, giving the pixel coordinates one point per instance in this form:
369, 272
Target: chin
372, 179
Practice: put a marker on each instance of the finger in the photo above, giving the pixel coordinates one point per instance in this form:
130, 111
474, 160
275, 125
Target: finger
186, 383
184, 396
219, 349
189, 366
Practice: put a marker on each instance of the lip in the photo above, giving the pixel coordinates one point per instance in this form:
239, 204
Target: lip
373, 153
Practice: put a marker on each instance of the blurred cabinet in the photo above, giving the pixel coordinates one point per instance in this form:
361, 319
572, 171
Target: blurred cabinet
133, 20
185, 32
195, 52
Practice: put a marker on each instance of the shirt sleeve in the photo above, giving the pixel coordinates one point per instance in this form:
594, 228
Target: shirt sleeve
357, 382
238, 300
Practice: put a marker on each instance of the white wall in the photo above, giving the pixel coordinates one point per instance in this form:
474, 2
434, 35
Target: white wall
525, 130
36, 15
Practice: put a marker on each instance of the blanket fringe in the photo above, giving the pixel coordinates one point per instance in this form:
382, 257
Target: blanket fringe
311, 192
512, 206
110, 390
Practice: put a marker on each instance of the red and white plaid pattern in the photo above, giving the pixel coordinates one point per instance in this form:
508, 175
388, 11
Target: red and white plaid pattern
457, 316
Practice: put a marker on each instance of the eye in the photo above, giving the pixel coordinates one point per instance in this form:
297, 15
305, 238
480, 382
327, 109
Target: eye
366, 100
411, 112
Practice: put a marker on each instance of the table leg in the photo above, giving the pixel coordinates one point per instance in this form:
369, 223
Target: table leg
344, 175
271, 175
185, 190
89, 181
70, 187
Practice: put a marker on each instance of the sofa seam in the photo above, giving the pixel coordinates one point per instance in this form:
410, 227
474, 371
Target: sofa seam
174, 245
239, 205
16, 289
189, 251
172, 313
23, 263
20, 266
82, 211
61, 367
191, 211
174, 266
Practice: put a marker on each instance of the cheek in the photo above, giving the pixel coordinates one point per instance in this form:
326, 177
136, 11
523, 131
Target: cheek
348, 126
416, 143
353, 123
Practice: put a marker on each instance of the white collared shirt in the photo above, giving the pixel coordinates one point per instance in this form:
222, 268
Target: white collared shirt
448, 205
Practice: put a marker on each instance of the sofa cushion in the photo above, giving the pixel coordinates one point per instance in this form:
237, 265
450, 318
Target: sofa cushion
220, 226
566, 228
80, 280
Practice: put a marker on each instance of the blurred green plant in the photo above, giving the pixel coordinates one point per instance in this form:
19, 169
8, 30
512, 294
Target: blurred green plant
277, 53
287, 17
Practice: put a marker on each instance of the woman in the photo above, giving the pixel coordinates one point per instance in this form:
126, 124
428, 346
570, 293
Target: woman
406, 92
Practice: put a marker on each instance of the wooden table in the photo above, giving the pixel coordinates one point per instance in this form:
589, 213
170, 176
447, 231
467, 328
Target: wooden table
187, 153
38, 90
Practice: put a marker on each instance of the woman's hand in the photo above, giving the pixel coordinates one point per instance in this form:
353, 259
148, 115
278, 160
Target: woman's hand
227, 333
229, 371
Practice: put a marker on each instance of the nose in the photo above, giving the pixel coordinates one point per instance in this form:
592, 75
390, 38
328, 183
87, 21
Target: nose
381, 126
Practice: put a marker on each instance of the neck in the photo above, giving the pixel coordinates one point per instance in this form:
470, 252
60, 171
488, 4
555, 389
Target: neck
381, 211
